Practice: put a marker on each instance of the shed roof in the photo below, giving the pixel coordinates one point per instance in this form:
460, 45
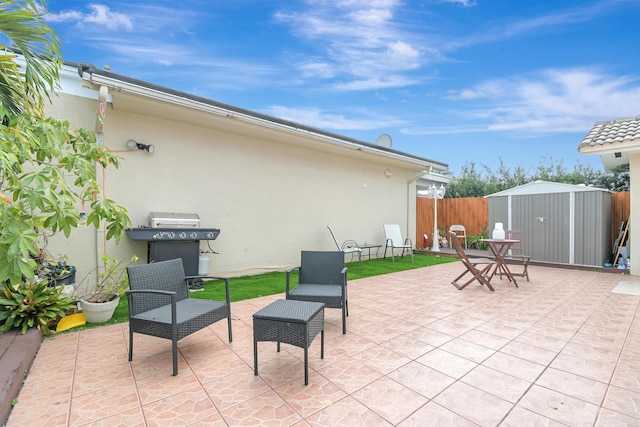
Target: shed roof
545, 187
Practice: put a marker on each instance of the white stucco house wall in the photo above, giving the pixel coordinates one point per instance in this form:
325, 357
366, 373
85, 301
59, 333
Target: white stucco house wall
271, 186
617, 142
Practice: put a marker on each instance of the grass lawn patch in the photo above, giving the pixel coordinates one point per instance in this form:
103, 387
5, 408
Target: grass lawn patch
247, 287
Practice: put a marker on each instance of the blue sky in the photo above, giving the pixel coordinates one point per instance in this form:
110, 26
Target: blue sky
449, 80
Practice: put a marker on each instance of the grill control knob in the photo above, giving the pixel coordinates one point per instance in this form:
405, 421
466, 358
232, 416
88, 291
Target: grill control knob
183, 235
210, 235
171, 235
194, 235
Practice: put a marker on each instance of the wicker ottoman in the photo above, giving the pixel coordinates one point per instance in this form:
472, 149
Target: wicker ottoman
291, 322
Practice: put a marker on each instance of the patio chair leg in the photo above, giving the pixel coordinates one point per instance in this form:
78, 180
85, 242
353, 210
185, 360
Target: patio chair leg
454, 282
255, 356
130, 345
479, 276
175, 356
344, 319
306, 365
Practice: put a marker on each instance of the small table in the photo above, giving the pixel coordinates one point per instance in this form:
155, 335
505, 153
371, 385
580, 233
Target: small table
500, 248
291, 322
368, 247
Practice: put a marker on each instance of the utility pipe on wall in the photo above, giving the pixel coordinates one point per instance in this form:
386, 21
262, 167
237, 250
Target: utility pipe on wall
101, 248
412, 184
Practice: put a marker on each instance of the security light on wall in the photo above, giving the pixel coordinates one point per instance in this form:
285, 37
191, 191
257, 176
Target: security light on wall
131, 143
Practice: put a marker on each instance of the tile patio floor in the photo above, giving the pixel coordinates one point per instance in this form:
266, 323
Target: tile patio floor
560, 350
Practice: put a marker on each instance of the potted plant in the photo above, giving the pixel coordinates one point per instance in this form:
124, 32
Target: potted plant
56, 270
99, 304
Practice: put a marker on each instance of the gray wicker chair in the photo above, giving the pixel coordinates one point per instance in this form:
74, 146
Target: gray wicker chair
322, 278
159, 304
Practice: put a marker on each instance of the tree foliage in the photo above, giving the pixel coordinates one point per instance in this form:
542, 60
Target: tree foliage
474, 182
47, 169
26, 88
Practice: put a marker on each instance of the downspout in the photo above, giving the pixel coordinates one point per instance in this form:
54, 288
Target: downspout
409, 184
103, 93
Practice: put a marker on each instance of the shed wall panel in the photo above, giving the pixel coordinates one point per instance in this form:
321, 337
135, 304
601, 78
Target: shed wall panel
522, 218
498, 212
563, 227
592, 228
550, 221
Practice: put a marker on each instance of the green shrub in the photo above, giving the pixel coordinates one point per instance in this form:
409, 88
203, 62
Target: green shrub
473, 240
28, 305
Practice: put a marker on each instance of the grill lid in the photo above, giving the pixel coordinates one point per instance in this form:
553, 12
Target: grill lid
173, 220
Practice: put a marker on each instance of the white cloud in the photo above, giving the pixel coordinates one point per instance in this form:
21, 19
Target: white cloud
316, 68
465, 3
315, 117
362, 42
552, 100
559, 18
444, 130
375, 83
490, 89
402, 52
99, 15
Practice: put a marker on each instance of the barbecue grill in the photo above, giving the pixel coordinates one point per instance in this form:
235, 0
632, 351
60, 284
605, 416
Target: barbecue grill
171, 235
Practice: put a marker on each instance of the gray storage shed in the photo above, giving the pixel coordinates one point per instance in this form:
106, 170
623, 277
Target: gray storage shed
561, 223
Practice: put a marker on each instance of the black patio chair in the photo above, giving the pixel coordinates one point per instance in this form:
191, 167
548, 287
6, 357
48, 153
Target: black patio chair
159, 304
322, 278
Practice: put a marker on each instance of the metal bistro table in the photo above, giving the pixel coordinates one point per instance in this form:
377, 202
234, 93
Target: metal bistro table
291, 322
500, 248
368, 247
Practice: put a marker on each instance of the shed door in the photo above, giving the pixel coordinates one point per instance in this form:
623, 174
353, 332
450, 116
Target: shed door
544, 220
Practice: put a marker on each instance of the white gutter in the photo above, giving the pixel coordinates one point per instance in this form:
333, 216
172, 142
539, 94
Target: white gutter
126, 87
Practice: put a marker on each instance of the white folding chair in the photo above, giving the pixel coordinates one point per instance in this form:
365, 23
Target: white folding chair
393, 237
348, 247
460, 232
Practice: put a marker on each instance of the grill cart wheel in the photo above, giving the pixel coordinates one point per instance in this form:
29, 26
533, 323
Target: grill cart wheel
196, 284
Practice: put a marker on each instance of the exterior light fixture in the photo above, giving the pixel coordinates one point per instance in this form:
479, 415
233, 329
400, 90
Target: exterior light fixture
82, 218
435, 194
132, 143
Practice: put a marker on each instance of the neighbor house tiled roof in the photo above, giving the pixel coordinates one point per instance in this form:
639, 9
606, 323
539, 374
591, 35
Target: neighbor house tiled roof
611, 132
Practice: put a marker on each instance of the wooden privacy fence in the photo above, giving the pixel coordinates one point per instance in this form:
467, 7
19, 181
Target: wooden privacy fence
473, 213
620, 210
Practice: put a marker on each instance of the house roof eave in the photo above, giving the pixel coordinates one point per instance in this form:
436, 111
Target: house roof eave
119, 83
